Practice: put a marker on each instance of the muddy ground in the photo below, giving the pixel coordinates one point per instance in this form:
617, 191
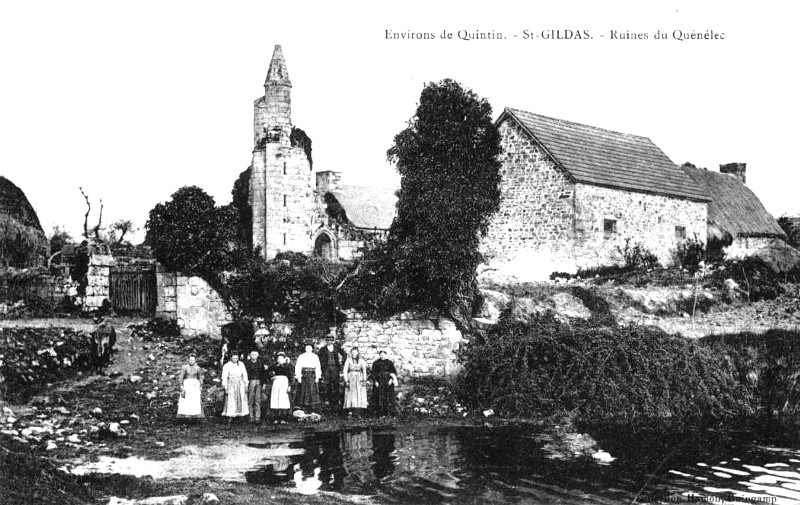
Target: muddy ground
129, 410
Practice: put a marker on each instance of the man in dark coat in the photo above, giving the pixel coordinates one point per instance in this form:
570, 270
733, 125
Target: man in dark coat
256, 375
331, 359
103, 339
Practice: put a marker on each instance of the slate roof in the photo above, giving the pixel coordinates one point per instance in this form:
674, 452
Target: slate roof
601, 157
368, 207
734, 210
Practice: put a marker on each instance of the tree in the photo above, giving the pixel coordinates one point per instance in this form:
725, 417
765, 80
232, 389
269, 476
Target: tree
118, 229
447, 160
58, 239
240, 200
191, 235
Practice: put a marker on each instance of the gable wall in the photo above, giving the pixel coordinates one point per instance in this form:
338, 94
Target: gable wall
535, 219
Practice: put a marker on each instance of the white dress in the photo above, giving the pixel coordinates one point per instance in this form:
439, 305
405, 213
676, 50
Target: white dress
234, 380
190, 403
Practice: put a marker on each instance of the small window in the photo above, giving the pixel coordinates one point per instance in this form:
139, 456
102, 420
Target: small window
609, 227
284, 200
284, 168
680, 232
284, 239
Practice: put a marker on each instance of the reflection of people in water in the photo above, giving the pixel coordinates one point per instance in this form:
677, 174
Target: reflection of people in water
382, 458
331, 460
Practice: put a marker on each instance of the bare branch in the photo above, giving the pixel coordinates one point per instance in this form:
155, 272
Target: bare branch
86, 217
99, 222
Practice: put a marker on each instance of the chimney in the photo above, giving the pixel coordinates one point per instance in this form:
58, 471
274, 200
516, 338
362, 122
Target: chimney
328, 181
737, 170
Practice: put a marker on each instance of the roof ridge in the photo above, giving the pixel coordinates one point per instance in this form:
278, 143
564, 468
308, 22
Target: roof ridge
512, 109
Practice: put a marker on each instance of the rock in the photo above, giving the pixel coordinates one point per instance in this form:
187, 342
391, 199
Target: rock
97, 411
63, 410
94, 429
11, 420
570, 306
160, 444
7, 411
488, 412
124, 421
113, 427
134, 417
73, 439
13, 433
51, 446
135, 378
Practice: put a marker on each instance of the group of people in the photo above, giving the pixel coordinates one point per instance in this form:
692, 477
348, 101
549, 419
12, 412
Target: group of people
314, 383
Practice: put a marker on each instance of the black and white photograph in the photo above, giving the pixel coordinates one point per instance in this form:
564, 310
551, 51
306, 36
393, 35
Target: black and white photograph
379, 253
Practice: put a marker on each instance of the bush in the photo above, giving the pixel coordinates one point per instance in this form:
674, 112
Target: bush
766, 364
754, 276
637, 257
690, 253
601, 373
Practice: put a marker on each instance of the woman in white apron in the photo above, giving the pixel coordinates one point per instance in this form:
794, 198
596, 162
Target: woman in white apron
190, 405
279, 398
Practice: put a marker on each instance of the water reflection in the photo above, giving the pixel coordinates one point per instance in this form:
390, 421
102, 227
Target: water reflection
511, 464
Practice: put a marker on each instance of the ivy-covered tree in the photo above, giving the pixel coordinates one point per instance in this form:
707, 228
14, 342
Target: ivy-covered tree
240, 200
191, 235
447, 160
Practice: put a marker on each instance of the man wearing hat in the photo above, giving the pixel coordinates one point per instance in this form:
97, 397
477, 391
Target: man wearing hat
331, 359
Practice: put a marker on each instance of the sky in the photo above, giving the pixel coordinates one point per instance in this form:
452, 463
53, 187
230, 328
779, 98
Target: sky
133, 100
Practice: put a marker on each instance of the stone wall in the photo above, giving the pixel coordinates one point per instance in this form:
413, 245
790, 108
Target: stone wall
746, 246
534, 224
99, 280
419, 347
195, 305
650, 220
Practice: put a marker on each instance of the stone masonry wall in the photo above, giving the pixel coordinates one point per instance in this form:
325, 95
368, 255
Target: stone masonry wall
418, 346
99, 279
535, 219
643, 218
195, 305
746, 246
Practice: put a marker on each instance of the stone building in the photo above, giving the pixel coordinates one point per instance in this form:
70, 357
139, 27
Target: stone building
293, 209
737, 220
573, 196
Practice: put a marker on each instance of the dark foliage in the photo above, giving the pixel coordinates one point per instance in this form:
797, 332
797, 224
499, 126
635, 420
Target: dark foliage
240, 201
302, 290
766, 364
754, 276
191, 235
299, 138
596, 372
447, 160
690, 253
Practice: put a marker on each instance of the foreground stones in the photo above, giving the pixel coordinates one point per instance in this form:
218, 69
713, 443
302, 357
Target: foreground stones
205, 498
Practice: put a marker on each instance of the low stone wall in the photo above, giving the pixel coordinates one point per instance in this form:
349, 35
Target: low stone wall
419, 347
746, 246
195, 305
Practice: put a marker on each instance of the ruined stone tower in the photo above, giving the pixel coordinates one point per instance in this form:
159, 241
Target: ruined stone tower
281, 191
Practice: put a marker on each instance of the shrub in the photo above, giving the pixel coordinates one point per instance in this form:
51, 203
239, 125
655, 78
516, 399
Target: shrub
637, 257
690, 253
601, 373
754, 276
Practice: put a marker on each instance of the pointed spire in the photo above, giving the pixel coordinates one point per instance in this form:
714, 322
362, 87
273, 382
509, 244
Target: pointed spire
277, 73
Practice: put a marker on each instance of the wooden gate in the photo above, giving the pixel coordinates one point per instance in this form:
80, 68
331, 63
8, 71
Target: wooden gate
133, 290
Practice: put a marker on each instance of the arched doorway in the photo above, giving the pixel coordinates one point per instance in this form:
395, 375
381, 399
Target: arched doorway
323, 247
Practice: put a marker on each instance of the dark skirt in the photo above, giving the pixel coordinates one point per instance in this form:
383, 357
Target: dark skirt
307, 396
383, 398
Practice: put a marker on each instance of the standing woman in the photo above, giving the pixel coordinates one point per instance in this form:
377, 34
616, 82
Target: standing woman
308, 371
279, 395
234, 381
355, 383
190, 405
384, 376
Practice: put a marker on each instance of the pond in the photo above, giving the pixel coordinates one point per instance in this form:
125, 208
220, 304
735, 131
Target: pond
503, 464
